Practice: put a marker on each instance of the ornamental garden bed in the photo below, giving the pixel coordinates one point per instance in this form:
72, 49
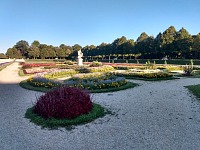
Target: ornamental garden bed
148, 76
95, 83
64, 107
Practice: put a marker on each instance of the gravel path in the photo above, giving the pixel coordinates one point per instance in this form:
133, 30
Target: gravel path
153, 116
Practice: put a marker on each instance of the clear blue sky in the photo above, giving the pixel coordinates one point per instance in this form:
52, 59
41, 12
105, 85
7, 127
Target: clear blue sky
87, 22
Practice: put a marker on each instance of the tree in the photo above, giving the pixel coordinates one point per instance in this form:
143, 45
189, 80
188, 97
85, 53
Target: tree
43, 51
60, 53
51, 51
36, 43
13, 53
66, 50
196, 46
167, 39
2, 56
23, 47
139, 47
142, 37
183, 42
76, 47
116, 48
158, 43
33, 52
126, 48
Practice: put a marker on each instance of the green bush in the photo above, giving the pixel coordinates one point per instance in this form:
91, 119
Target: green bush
95, 64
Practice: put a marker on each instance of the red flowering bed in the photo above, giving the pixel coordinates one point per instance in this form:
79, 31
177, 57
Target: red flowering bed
36, 70
64, 102
116, 64
30, 65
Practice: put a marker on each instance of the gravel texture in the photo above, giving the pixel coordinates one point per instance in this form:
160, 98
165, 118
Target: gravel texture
160, 115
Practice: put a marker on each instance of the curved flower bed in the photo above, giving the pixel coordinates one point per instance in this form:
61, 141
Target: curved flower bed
145, 75
38, 81
96, 81
60, 72
83, 81
30, 65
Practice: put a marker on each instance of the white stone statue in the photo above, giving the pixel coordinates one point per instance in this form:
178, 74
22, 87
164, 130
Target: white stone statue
80, 59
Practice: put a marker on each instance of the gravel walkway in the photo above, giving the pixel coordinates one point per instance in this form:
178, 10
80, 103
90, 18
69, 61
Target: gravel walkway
153, 116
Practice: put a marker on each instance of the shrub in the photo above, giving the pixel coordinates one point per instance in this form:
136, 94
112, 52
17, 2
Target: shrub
95, 64
64, 102
188, 69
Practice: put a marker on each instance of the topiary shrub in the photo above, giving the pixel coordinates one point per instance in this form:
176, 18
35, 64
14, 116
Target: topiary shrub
64, 102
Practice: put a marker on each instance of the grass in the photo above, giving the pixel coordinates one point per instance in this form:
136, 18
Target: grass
21, 73
195, 89
152, 79
53, 123
26, 85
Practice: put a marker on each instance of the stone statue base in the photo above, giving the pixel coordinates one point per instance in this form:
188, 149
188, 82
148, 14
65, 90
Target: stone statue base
80, 61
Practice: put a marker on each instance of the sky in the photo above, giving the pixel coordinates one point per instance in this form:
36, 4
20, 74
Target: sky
87, 22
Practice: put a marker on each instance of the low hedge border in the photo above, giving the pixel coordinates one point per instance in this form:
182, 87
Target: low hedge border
24, 84
53, 123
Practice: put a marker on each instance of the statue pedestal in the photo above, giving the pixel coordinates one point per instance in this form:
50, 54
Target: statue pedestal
80, 61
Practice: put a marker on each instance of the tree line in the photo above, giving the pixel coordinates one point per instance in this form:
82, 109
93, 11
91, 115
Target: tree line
171, 44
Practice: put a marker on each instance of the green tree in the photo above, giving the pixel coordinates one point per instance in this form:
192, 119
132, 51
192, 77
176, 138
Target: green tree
196, 46
43, 51
2, 56
126, 48
139, 47
13, 53
116, 45
60, 53
76, 47
36, 43
66, 50
183, 43
143, 36
23, 47
34, 51
51, 51
167, 39
158, 43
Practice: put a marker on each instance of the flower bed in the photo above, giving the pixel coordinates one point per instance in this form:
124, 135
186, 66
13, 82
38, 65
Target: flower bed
60, 73
96, 81
43, 82
64, 107
34, 70
144, 75
95, 69
30, 65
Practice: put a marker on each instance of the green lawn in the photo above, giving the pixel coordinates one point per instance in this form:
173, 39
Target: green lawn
195, 89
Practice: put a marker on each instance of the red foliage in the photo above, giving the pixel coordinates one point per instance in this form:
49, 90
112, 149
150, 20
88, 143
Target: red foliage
64, 102
30, 65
